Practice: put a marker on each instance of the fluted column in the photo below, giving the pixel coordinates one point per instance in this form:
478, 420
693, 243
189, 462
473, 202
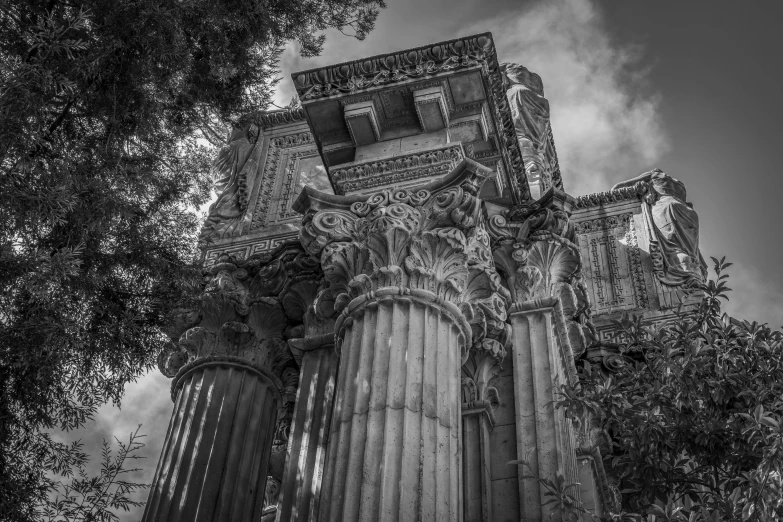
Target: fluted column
534, 251
216, 452
397, 266
394, 448
226, 391
541, 366
300, 490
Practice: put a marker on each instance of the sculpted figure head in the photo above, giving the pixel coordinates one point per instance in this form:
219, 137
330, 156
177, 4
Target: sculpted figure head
519, 75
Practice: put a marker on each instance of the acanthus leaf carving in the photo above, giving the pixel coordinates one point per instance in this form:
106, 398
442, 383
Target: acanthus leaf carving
347, 267
437, 262
298, 295
483, 365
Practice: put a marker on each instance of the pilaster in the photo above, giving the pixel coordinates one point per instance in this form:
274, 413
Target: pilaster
534, 252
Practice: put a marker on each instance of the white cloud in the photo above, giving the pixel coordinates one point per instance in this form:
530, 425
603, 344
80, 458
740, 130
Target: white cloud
755, 297
146, 401
606, 127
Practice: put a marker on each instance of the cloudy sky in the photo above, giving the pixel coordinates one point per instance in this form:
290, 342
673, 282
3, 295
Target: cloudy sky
690, 87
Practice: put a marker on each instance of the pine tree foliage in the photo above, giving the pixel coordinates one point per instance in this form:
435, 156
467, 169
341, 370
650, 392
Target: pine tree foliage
693, 418
102, 106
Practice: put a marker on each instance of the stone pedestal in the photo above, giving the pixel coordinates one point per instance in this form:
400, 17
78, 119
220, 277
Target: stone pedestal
394, 449
544, 436
215, 457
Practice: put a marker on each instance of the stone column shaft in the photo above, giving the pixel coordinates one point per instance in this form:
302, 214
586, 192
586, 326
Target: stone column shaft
477, 499
539, 369
301, 486
214, 460
394, 449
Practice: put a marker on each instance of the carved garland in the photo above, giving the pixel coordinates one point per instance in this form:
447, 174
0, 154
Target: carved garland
384, 172
266, 119
602, 198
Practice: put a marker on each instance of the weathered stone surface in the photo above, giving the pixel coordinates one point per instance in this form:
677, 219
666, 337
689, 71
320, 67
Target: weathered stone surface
215, 456
405, 271
530, 112
410, 341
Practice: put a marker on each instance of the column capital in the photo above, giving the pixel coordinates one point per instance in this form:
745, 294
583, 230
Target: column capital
245, 311
534, 248
428, 243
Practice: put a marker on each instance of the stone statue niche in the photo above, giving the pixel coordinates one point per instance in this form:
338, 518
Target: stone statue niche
674, 230
530, 112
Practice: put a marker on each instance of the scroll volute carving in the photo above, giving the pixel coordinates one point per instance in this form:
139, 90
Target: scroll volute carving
484, 300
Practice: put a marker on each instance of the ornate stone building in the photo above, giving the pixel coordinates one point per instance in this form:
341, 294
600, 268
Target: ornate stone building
397, 284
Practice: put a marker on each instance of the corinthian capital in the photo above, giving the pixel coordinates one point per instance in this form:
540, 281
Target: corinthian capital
428, 241
246, 309
415, 239
533, 247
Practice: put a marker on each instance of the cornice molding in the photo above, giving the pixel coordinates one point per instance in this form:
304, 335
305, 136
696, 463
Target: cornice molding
472, 52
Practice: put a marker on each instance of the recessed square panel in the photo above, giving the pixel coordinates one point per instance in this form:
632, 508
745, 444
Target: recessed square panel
325, 117
466, 131
467, 88
298, 169
396, 103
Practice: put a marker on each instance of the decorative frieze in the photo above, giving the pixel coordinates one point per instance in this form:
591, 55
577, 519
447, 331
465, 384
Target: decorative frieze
400, 169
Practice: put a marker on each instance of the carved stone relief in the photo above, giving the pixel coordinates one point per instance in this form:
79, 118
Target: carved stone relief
401, 169
613, 269
233, 172
291, 163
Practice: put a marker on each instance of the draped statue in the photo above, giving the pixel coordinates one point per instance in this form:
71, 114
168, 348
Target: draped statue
530, 111
230, 172
674, 241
